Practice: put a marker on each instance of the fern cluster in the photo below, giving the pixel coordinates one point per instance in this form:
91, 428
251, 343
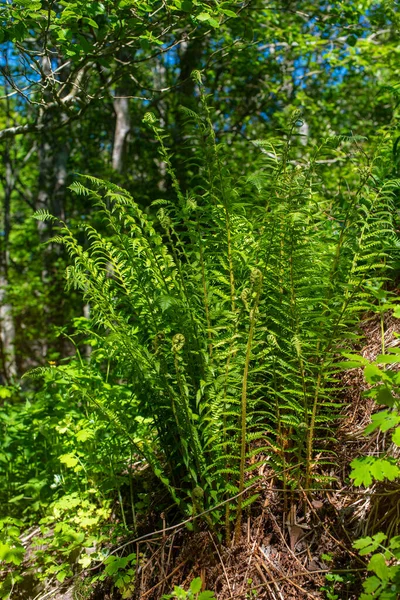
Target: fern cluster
224, 310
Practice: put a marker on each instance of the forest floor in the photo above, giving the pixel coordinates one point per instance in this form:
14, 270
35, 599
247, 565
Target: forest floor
290, 541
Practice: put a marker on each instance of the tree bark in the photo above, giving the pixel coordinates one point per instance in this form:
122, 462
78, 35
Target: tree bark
7, 329
122, 128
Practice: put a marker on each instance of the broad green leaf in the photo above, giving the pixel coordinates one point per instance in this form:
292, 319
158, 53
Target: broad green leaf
368, 544
396, 312
206, 17
11, 554
387, 359
383, 420
61, 575
70, 460
384, 396
383, 468
196, 585
396, 436
371, 584
378, 565
367, 469
85, 434
112, 568
373, 374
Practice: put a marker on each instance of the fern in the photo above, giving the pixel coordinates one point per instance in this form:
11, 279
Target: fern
224, 311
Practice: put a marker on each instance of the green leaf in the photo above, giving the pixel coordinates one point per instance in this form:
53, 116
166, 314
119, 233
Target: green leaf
383, 468
396, 436
196, 585
112, 568
368, 544
384, 396
70, 460
367, 469
349, 364
206, 595
371, 584
91, 22
165, 302
84, 434
378, 565
373, 374
179, 592
361, 472
360, 361
383, 420
206, 17
10, 554
61, 575
229, 13
387, 359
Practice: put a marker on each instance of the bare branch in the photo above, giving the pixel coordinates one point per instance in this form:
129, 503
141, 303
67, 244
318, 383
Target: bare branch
20, 129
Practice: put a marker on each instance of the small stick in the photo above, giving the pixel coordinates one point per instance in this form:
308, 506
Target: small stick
252, 553
164, 580
168, 559
222, 563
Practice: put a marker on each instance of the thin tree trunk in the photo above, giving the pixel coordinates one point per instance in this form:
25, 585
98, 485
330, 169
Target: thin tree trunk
7, 329
122, 128
86, 314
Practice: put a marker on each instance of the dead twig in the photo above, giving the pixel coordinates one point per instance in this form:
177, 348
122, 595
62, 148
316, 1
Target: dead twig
221, 561
163, 580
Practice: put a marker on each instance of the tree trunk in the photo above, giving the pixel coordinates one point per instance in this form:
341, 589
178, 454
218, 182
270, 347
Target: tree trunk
7, 329
122, 128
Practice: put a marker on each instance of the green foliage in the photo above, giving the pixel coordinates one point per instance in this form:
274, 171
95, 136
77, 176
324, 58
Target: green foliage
224, 313
193, 593
384, 563
333, 581
122, 573
367, 469
11, 555
385, 389
61, 468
